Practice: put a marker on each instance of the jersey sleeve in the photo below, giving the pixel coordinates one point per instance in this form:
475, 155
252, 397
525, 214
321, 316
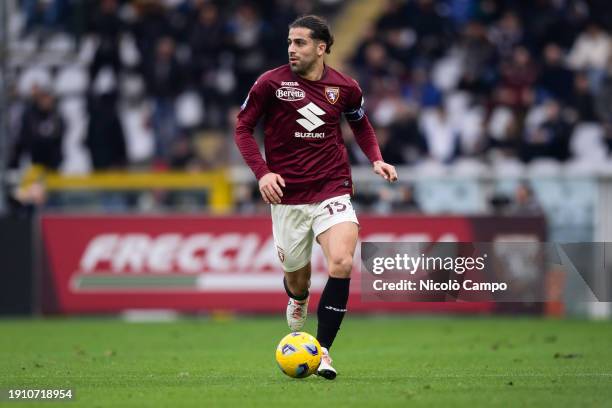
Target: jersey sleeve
361, 126
354, 108
250, 112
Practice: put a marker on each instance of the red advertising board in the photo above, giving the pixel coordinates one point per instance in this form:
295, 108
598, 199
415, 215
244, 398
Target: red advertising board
101, 264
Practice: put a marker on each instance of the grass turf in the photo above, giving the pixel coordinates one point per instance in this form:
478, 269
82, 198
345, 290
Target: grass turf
382, 362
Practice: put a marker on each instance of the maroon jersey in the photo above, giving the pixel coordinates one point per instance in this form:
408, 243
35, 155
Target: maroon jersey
302, 138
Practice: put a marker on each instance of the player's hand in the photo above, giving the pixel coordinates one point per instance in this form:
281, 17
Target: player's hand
385, 170
270, 188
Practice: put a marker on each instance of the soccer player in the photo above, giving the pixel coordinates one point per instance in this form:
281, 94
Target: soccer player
306, 174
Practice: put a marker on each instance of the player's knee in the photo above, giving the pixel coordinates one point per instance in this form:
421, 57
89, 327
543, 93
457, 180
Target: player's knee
298, 286
340, 266
302, 287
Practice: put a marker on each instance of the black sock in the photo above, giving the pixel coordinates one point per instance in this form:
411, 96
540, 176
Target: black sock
332, 308
291, 295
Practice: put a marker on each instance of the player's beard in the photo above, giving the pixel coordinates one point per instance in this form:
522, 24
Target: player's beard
303, 67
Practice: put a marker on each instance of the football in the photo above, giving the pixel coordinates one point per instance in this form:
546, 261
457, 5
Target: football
298, 355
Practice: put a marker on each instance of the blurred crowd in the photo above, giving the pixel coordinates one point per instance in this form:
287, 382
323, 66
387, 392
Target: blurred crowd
191, 61
444, 80
490, 79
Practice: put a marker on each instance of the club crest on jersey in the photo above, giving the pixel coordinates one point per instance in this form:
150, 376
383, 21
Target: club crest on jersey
332, 94
287, 93
281, 253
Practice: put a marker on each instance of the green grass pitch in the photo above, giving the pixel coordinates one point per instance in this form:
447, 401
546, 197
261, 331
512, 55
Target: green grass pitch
393, 361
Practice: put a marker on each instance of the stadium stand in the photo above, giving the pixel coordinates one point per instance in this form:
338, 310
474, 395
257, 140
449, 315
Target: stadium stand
469, 88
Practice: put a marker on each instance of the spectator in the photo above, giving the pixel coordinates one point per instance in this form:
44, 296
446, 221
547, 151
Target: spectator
518, 76
181, 155
557, 22
525, 202
393, 17
149, 26
554, 77
279, 16
421, 90
107, 25
164, 79
248, 31
504, 131
441, 135
105, 138
608, 137
522, 202
390, 148
539, 17
369, 36
506, 34
551, 138
591, 50
431, 28
487, 11
581, 100
46, 14
41, 133
377, 70
208, 40
400, 45
603, 98
394, 30
405, 199
478, 59
406, 138
461, 11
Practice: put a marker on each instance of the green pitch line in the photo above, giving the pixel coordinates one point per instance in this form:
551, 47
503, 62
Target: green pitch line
402, 362
135, 282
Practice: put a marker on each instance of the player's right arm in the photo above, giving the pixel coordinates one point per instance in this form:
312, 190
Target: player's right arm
251, 111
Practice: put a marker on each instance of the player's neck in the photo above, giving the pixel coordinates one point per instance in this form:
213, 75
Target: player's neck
315, 73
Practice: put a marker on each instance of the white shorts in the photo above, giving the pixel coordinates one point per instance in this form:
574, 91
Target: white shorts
296, 226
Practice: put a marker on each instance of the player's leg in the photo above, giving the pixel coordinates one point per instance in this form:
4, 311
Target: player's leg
293, 236
297, 284
336, 229
338, 244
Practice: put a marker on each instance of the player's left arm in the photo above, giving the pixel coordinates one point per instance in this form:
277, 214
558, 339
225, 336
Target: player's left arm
366, 137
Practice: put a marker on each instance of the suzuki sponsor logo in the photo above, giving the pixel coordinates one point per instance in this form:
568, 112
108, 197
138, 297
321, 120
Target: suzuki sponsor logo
310, 135
310, 120
290, 94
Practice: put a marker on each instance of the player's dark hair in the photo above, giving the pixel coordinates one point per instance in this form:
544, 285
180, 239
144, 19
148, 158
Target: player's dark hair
318, 27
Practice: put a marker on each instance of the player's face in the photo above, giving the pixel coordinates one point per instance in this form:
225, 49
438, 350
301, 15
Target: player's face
304, 52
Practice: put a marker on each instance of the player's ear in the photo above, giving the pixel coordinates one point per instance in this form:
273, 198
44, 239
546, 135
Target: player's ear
321, 46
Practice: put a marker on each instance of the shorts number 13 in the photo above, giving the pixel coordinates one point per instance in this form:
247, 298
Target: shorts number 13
335, 207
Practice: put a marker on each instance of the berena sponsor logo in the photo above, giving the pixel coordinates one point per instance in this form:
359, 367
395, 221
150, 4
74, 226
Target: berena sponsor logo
287, 93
